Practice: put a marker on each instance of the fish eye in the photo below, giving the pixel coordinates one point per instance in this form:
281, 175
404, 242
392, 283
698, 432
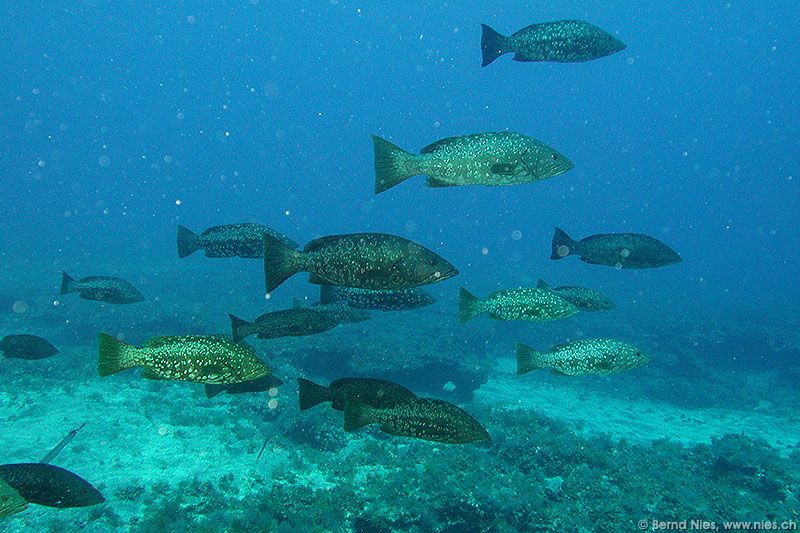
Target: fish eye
554, 157
432, 262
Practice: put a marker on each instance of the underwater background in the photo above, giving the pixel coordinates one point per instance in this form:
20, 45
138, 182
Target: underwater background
122, 120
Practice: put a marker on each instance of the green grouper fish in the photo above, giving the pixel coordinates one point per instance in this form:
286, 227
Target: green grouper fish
228, 240
380, 300
375, 392
195, 358
50, 485
284, 323
620, 250
24, 346
583, 298
537, 305
421, 418
499, 158
362, 260
107, 289
563, 41
577, 358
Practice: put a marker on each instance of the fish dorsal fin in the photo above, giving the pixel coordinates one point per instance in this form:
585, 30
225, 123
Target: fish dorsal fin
438, 145
433, 182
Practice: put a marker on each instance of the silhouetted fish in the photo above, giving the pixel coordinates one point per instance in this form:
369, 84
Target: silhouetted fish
196, 358
587, 356
422, 418
50, 485
364, 260
107, 289
583, 298
228, 240
371, 391
494, 158
25, 346
292, 322
537, 305
563, 41
261, 384
381, 300
620, 250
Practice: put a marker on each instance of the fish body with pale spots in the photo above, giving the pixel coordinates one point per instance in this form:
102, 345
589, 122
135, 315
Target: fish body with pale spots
362, 260
581, 357
562, 41
196, 358
421, 418
109, 289
380, 300
228, 240
619, 250
492, 158
537, 305
584, 298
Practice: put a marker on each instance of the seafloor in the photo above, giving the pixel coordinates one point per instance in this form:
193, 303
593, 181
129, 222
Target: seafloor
708, 430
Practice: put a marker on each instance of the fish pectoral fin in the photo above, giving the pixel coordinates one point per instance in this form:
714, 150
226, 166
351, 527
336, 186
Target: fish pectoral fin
152, 374
433, 182
503, 169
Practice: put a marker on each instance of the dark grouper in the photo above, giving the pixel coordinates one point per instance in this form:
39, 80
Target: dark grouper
563, 41
363, 260
421, 418
620, 250
577, 358
50, 485
107, 289
381, 300
501, 158
284, 323
25, 346
196, 358
375, 392
229, 240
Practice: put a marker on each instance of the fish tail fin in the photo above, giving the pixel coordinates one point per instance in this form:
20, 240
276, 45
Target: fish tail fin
357, 414
280, 262
214, 389
543, 285
11, 502
311, 394
469, 305
114, 355
493, 44
389, 167
67, 283
326, 294
240, 328
563, 245
527, 359
188, 241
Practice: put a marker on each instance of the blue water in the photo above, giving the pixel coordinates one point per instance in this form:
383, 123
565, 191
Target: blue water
122, 120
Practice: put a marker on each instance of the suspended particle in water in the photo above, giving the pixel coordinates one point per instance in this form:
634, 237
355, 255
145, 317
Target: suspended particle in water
485, 251
563, 250
516, 234
624, 252
272, 404
104, 161
20, 306
168, 159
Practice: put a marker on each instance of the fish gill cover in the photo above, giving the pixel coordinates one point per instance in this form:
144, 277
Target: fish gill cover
250, 139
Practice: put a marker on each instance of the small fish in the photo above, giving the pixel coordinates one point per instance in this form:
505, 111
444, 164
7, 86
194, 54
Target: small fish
50, 485
107, 289
378, 393
620, 250
563, 41
499, 158
583, 298
380, 300
196, 358
11, 501
362, 260
422, 418
284, 323
229, 240
537, 305
261, 384
25, 346
577, 358
63, 443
